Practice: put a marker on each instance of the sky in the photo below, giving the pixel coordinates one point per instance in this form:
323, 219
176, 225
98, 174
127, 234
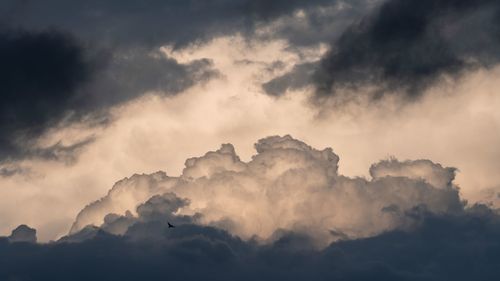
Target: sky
320, 139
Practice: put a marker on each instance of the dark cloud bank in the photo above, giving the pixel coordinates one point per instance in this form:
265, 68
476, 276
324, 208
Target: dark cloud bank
463, 246
404, 47
62, 61
154, 23
447, 241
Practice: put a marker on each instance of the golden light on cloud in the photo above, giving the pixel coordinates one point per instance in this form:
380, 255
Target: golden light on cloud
157, 133
249, 139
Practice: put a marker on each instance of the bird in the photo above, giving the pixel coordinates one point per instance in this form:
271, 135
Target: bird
170, 225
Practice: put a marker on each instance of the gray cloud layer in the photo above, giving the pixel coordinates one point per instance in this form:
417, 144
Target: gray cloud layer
155, 23
462, 246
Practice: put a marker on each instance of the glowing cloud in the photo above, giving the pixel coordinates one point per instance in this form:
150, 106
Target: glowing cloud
287, 185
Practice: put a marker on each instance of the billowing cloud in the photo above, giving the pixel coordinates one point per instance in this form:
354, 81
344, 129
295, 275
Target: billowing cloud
426, 244
431, 172
96, 91
157, 132
287, 185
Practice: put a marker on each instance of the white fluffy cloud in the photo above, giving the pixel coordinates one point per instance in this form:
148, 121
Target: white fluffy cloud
287, 185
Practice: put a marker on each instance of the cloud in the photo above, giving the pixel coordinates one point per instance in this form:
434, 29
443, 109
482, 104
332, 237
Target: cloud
155, 132
407, 46
23, 233
42, 73
119, 45
317, 24
110, 56
136, 72
461, 246
269, 217
128, 24
432, 173
401, 47
8, 171
52, 79
287, 185
297, 78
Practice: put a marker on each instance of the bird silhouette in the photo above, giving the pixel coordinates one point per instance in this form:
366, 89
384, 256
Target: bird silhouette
170, 225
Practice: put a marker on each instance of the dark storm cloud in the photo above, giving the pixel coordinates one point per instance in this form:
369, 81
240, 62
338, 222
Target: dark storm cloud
41, 73
405, 46
49, 77
131, 74
446, 247
321, 23
408, 45
63, 59
151, 23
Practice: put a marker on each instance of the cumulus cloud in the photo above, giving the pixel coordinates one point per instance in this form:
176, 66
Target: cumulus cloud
433, 173
125, 195
287, 186
290, 210
406, 223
